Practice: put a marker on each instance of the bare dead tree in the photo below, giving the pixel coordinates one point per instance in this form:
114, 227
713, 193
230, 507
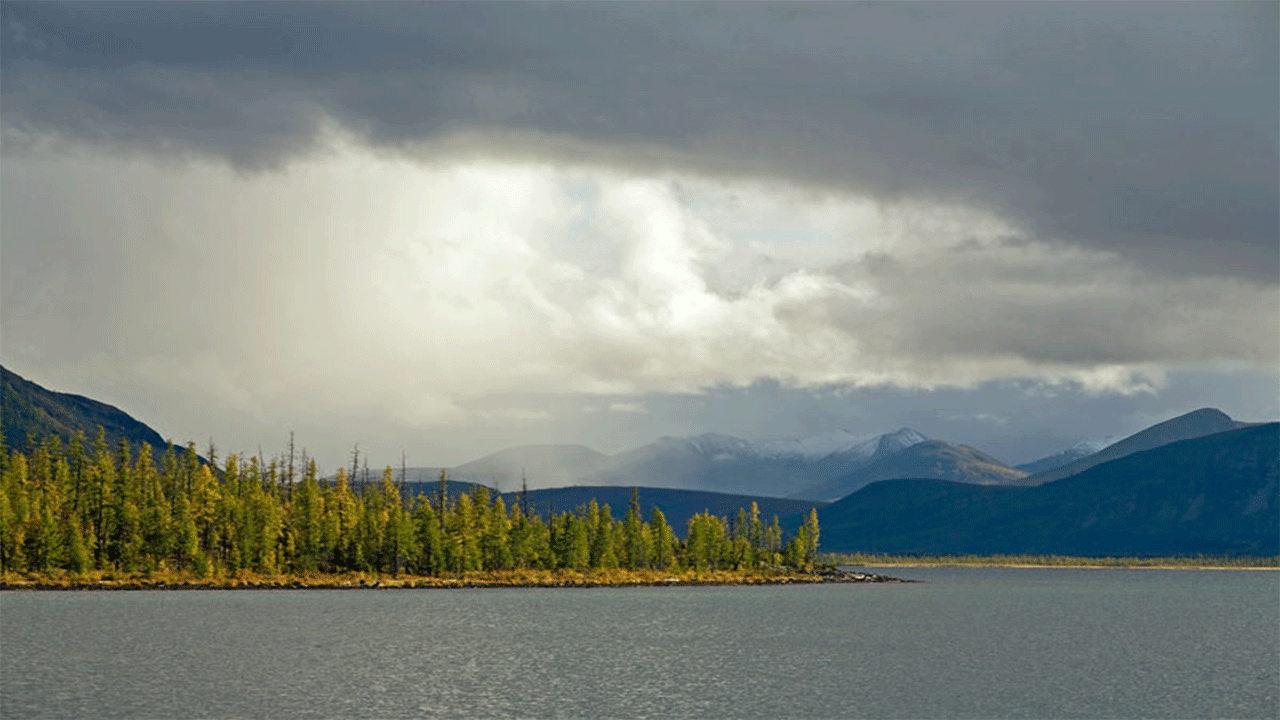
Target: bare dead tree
289, 476
355, 464
404, 472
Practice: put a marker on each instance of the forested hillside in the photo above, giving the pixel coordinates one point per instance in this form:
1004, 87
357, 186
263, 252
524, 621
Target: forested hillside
30, 412
62, 507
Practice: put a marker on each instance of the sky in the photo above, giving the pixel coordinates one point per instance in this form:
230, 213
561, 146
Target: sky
445, 229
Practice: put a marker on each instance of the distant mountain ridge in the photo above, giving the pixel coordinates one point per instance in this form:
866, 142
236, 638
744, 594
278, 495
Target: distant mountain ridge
1218, 494
933, 459
1197, 423
710, 461
1078, 451
818, 468
543, 464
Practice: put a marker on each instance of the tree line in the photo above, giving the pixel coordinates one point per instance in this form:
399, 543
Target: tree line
80, 506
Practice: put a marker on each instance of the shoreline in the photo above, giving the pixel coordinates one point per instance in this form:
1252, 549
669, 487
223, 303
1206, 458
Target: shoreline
1033, 566
1051, 561
467, 581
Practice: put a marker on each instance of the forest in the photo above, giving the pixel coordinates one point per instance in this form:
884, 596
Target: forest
78, 507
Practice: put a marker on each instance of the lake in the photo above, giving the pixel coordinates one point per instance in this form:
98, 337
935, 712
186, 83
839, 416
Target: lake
966, 642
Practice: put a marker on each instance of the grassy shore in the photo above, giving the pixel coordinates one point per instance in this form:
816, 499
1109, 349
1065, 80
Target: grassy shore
1053, 561
109, 580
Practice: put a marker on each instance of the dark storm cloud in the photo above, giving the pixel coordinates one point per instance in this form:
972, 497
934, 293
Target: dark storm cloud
1146, 128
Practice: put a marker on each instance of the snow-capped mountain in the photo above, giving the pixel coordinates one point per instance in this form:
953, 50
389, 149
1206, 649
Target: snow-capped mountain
900, 439
1082, 449
931, 459
840, 442
1090, 446
816, 447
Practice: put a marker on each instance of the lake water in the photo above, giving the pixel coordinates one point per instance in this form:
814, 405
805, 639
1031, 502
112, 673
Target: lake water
984, 643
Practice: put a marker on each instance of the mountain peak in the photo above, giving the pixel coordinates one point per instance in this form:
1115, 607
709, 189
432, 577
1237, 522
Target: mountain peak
933, 459
899, 439
1089, 446
1209, 411
1197, 423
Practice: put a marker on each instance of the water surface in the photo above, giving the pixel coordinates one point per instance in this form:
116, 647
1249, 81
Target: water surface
968, 642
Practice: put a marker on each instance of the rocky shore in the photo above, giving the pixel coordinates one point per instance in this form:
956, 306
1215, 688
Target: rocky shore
837, 575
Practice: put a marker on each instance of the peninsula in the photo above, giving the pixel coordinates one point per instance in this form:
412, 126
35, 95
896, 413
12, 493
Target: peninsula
82, 516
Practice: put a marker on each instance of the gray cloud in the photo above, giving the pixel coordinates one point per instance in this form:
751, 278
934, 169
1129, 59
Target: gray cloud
491, 298
1148, 129
457, 226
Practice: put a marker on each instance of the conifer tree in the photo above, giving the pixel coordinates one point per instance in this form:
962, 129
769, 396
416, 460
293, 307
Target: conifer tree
428, 556
461, 528
442, 506
633, 553
698, 542
15, 512
811, 538
604, 553
578, 555
741, 553
519, 538
186, 537
155, 512
539, 534
307, 521
8, 524
756, 534
104, 471
664, 545
206, 513
398, 536
495, 542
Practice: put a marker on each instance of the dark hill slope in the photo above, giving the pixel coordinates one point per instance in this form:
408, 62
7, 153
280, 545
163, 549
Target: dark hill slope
1215, 495
28, 410
677, 505
1197, 423
431, 490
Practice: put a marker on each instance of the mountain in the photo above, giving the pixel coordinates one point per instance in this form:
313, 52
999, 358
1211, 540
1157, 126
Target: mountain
1198, 423
541, 465
821, 467
29, 410
1214, 495
678, 506
832, 468
723, 463
840, 443
1082, 449
934, 459
713, 462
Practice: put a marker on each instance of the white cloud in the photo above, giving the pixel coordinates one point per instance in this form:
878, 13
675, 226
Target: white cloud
356, 285
627, 407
